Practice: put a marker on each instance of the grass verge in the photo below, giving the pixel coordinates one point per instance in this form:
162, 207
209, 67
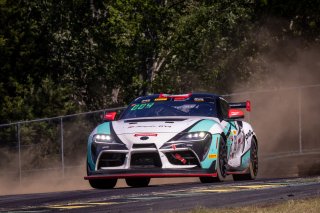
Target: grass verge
311, 205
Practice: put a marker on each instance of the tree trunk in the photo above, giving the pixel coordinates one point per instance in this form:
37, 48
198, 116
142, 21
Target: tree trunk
115, 95
153, 67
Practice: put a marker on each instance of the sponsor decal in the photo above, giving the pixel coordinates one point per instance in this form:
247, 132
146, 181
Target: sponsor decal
145, 101
198, 99
160, 99
164, 126
179, 99
151, 126
212, 156
145, 134
143, 126
250, 133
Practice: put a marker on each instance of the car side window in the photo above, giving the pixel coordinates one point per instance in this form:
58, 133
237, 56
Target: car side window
224, 108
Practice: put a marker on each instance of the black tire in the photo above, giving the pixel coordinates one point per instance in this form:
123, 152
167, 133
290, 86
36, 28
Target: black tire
103, 184
253, 166
138, 182
221, 163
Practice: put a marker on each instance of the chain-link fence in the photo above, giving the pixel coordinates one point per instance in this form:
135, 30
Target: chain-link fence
55, 146
286, 122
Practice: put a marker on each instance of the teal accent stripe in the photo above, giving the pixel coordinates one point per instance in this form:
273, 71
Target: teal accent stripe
104, 128
91, 164
245, 160
229, 141
226, 128
203, 125
206, 163
101, 129
231, 125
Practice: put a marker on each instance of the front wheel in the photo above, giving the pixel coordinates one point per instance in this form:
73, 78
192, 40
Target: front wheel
253, 165
138, 182
99, 183
103, 184
221, 164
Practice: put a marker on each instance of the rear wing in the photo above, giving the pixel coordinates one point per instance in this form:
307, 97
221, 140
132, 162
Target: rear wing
246, 105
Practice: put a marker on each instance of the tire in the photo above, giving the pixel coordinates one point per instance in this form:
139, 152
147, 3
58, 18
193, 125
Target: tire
138, 182
253, 166
103, 184
221, 164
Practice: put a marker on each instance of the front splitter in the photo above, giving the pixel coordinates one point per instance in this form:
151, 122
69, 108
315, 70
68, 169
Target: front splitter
149, 174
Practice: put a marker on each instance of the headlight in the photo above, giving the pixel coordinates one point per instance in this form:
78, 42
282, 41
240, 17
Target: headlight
102, 138
193, 136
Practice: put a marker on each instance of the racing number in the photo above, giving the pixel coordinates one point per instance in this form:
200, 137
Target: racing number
141, 106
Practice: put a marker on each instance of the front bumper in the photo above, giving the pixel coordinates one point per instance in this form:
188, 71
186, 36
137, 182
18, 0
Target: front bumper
172, 159
150, 173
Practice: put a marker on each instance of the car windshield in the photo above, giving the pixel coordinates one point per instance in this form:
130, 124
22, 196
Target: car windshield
170, 108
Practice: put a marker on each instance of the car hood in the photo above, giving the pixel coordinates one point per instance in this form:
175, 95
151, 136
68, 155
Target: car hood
151, 129
154, 125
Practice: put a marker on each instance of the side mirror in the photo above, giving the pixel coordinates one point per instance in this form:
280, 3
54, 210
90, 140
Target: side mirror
109, 116
235, 114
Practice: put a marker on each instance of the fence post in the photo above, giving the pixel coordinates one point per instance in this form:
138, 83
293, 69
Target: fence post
19, 148
300, 122
62, 145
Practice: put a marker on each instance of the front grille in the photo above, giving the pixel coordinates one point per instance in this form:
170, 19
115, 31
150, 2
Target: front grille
142, 146
111, 160
145, 160
185, 158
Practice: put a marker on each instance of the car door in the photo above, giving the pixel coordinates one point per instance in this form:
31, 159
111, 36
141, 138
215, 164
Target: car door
234, 133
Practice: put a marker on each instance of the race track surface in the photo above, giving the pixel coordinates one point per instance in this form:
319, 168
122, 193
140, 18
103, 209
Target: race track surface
163, 198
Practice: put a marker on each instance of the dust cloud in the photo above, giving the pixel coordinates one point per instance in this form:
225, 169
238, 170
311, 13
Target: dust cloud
52, 181
282, 112
40, 159
42, 182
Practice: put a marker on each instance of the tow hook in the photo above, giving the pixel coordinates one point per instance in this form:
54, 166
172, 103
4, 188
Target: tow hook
180, 158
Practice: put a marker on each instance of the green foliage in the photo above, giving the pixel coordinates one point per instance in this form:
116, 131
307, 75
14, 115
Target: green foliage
206, 37
60, 57
300, 18
44, 100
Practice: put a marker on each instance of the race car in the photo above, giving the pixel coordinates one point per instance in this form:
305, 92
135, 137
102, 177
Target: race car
162, 135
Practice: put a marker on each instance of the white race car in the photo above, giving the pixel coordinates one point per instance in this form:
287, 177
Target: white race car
188, 135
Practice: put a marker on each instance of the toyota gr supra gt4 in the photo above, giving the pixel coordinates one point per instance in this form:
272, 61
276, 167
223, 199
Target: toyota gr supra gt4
188, 135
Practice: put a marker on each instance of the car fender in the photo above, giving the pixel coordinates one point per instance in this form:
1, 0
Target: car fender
103, 128
216, 130
248, 134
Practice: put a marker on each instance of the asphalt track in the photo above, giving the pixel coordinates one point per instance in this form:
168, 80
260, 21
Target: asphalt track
164, 198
